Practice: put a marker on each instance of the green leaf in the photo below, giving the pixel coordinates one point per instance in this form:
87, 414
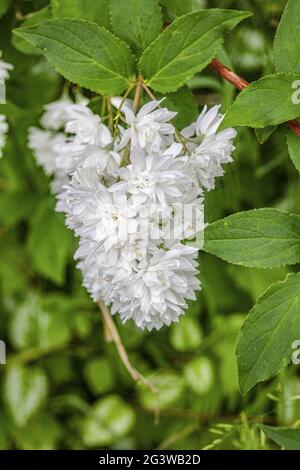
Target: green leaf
99, 375
178, 7
264, 344
15, 206
137, 22
199, 375
44, 434
184, 103
170, 388
93, 10
261, 238
110, 419
34, 326
264, 103
84, 53
255, 281
264, 134
288, 438
4, 429
186, 335
228, 327
38, 17
4, 5
293, 142
286, 43
25, 390
49, 243
186, 47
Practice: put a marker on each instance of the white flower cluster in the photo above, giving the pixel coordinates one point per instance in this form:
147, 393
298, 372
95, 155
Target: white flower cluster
133, 197
5, 68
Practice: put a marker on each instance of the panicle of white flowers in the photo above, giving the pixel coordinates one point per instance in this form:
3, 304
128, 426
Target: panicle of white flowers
133, 200
5, 69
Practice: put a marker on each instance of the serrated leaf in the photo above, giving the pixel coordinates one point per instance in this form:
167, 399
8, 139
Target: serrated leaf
84, 53
288, 438
25, 389
177, 7
49, 243
37, 17
286, 43
137, 22
4, 5
267, 102
261, 238
186, 47
264, 134
293, 142
110, 419
264, 345
93, 10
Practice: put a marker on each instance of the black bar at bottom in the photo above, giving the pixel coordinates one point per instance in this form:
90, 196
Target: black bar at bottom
137, 459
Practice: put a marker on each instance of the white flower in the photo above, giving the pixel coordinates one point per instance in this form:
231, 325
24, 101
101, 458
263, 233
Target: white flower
61, 154
156, 293
68, 151
5, 68
209, 149
115, 219
131, 220
87, 126
149, 128
97, 284
55, 115
98, 214
187, 221
106, 162
158, 178
3, 132
78, 198
43, 143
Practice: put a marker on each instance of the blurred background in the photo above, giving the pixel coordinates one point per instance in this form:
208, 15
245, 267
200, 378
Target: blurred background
63, 386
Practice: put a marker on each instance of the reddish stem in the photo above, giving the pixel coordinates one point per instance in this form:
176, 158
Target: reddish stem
229, 75
295, 127
240, 83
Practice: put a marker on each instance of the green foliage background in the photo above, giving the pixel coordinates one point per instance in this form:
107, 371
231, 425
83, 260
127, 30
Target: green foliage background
63, 385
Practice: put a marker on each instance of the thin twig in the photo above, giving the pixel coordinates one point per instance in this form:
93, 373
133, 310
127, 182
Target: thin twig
103, 107
117, 117
138, 93
294, 126
149, 92
135, 374
110, 114
240, 83
229, 75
